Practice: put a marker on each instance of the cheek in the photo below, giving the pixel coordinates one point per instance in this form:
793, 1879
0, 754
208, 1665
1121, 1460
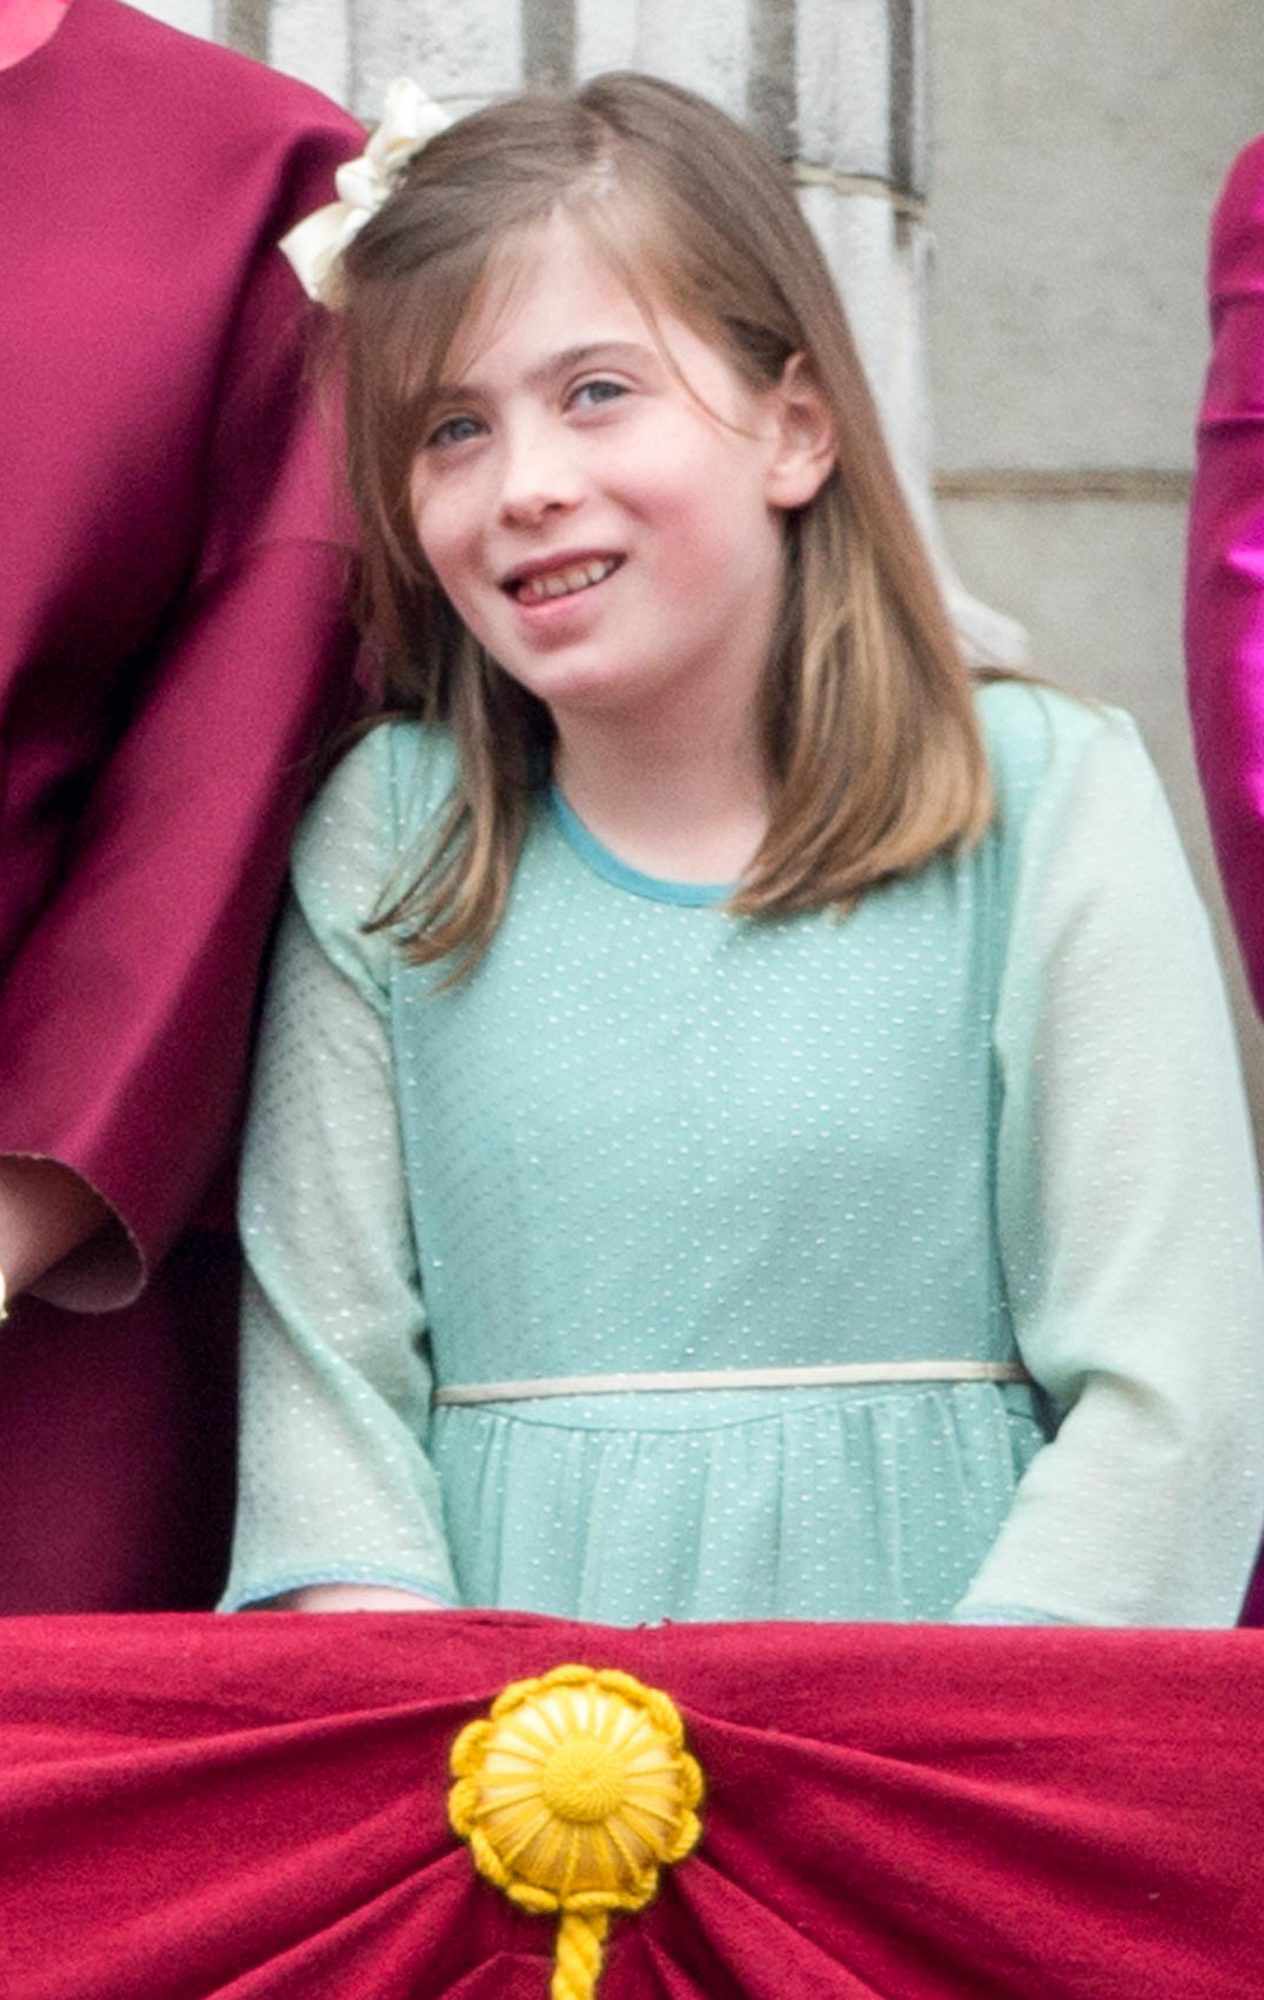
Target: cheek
444, 537
677, 485
710, 545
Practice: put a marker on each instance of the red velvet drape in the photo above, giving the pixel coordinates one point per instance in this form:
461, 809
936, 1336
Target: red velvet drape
254, 1809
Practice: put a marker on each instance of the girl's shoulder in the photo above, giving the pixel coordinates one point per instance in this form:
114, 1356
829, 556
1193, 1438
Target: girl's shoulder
386, 788
372, 810
1045, 747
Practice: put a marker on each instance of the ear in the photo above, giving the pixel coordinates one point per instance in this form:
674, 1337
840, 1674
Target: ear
804, 447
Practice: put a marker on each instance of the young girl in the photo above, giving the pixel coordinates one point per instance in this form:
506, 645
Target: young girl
747, 1126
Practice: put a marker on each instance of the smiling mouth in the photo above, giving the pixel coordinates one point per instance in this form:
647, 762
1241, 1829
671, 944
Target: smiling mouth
564, 582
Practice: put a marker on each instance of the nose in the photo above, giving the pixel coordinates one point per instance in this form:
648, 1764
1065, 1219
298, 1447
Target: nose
540, 473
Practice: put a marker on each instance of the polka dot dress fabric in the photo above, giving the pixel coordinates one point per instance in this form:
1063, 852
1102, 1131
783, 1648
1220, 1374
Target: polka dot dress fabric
992, 1115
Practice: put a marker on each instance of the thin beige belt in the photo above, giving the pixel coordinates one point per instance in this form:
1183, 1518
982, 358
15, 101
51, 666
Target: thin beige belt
828, 1376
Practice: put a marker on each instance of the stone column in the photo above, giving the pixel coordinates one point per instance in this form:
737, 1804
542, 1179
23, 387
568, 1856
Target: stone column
837, 86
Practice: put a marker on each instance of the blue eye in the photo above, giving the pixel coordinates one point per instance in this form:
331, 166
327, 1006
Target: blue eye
453, 430
595, 392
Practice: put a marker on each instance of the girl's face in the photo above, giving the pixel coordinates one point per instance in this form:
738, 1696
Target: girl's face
611, 538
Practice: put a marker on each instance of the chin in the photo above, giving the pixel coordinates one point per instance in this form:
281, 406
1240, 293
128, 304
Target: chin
589, 689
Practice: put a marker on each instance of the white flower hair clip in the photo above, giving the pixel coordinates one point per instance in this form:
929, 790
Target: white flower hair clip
410, 120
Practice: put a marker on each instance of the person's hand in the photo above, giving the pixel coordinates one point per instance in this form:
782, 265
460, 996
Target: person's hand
46, 1211
353, 1597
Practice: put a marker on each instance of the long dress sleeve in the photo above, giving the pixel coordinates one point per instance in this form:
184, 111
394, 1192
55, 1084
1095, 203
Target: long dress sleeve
1224, 605
335, 1485
1128, 1212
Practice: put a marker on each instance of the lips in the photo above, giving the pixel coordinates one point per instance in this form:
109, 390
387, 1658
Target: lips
537, 583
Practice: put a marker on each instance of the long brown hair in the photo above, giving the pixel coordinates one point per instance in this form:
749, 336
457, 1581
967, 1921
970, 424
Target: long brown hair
871, 741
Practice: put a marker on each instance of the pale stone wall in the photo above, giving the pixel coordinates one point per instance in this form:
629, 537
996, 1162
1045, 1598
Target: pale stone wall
196, 17
1074, 169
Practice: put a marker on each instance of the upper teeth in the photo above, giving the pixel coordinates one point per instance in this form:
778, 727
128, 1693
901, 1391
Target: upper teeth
556, 582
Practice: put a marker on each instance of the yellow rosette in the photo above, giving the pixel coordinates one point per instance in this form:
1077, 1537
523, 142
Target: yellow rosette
573, 1792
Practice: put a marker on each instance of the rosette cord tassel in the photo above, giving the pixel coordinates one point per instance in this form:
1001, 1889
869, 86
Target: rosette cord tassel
573, 1793
580, 1952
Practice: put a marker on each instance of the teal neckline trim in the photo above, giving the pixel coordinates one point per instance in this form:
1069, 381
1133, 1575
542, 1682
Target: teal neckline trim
696, 895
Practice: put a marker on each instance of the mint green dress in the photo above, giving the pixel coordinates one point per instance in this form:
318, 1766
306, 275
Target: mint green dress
989, 1121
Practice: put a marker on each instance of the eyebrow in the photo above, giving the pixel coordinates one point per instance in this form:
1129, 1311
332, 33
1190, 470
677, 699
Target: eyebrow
613, 351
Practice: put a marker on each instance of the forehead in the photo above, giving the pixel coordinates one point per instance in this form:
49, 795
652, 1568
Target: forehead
548, 289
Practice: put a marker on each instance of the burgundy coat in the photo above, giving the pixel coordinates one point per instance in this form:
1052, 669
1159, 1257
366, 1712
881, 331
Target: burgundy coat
172, 645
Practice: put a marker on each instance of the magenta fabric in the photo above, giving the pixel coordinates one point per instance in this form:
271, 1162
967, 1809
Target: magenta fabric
1225, 580
172, 647
254, 1809
1224, 600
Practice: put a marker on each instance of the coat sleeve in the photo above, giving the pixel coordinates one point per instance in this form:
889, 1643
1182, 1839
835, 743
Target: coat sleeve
125, 1015
1128, 1214
1224, 606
